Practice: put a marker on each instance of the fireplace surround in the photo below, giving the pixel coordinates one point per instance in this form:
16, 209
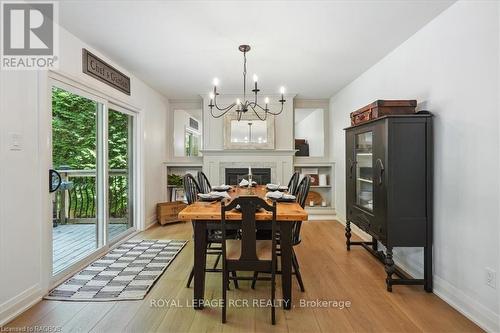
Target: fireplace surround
279, 162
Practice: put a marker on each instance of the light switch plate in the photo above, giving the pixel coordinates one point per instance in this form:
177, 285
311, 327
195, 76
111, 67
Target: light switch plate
15, 141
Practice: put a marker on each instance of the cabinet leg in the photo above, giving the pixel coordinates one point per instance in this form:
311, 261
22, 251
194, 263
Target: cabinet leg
389, 268
348, 235
428, 268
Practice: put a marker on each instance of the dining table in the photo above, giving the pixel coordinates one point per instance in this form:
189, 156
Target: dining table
207, 215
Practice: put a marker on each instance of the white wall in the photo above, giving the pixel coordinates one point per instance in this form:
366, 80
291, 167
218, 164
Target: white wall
25, 224
451, 66
310, 128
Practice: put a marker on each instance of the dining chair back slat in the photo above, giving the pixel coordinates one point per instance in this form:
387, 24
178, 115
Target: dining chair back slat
293, 183
302, 193
191, 188
303, 190
203, 182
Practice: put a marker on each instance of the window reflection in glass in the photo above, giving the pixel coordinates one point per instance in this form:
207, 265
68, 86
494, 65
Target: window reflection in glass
364, 170
187, 133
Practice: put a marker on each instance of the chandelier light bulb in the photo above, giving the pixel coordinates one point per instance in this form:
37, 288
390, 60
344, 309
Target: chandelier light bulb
255, 78
282, 90
238, 101
266, 100
216, 82
211, 95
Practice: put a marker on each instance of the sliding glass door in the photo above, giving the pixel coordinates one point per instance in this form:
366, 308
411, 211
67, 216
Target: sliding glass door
120, 172
75, 210
92, 175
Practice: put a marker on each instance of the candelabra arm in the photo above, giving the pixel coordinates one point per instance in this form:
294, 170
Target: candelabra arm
225, 109
256, 113
281, 110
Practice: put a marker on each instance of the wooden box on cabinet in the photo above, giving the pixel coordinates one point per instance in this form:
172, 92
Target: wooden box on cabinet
389, 188
167, 212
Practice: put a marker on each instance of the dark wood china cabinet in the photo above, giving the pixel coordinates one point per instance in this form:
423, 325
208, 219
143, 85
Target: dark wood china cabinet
389, 189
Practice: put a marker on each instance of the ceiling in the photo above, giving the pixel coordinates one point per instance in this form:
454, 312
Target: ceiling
313, 48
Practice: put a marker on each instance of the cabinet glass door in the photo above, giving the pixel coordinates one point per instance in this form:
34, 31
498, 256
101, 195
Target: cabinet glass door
364, 170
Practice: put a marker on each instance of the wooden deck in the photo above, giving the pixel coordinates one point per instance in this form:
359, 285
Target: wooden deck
72, 242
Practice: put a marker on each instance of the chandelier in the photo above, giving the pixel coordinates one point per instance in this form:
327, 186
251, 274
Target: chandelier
243, 106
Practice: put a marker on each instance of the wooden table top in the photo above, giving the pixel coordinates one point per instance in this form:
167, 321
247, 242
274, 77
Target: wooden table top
285, 211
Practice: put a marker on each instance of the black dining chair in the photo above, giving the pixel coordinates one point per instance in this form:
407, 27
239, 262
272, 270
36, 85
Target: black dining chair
301, 196
292, 188
302, 193
293, 182
203, 182
248, 254
191, 190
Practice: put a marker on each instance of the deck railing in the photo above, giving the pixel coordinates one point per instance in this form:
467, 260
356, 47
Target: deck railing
75, 201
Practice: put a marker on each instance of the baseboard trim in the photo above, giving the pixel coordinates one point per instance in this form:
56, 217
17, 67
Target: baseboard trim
19, 304
152, 221
470, 308
151, 224
317, 217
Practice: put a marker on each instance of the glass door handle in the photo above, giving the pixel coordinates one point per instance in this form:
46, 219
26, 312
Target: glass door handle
382, 170
54, 184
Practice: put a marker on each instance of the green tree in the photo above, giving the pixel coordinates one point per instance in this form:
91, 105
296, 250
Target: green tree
74, 125
74, 145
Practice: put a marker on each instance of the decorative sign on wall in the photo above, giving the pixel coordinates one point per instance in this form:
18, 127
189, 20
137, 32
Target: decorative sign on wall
103, 72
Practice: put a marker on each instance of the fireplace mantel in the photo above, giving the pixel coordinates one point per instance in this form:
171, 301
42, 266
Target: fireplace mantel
248, 152
280, 161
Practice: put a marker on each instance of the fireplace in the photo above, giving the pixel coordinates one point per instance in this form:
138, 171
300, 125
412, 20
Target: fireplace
234, 175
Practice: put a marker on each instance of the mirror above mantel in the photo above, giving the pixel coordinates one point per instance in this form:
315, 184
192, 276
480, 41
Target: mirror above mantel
249, 132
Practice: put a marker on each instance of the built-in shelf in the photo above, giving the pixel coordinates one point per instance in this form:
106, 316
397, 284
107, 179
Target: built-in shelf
320, 213
179, 168
312, 165
326, 191
366, 180
319, 207
183, 164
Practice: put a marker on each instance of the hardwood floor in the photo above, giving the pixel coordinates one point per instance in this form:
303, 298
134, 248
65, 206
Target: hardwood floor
329, 273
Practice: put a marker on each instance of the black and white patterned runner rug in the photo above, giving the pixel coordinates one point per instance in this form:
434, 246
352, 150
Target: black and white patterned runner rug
125, 273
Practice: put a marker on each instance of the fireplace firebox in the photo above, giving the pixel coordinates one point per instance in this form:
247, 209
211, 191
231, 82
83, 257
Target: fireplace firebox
234, 175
